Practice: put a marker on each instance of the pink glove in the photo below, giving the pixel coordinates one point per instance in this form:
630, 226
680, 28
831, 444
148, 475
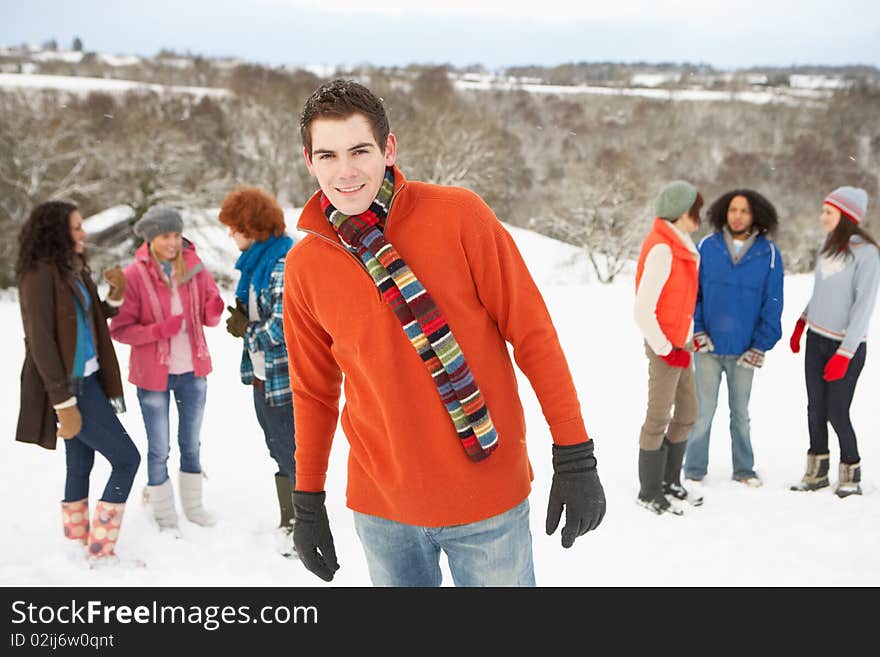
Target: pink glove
677, 358
836, 367
215, 308
168, 327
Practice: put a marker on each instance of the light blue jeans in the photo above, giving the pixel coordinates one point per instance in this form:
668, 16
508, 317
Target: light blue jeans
190, 392
708, 370
492, 552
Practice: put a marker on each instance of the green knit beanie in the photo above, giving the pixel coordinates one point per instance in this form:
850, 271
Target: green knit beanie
675, 199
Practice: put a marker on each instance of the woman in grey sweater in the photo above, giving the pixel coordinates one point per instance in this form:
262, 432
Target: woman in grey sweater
837, 315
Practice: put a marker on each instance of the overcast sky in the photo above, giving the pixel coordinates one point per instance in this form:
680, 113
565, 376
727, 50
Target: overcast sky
728, 34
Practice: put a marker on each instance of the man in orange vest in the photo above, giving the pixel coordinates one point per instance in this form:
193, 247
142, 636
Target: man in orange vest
666, 293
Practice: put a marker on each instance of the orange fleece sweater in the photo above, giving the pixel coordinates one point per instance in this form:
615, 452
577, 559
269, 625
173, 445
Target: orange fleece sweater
405, 460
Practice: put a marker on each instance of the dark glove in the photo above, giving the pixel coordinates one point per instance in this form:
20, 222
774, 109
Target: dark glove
238, 320
677, 358
576, 486
311, 534
168, 328
116, 279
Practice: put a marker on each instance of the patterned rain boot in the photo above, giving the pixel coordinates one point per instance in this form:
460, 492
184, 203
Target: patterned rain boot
105, 530
75, 519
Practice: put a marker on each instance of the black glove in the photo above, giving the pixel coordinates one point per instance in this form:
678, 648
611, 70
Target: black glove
576, 486
238, 319
311, 534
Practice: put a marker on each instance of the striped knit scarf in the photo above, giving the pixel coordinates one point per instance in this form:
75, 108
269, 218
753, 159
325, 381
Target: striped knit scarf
421, 320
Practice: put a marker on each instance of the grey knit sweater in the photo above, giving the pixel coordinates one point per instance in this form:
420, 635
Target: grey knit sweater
844, 294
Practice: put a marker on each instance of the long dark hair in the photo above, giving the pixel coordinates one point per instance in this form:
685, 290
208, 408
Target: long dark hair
764, 217
837, 241
46, 236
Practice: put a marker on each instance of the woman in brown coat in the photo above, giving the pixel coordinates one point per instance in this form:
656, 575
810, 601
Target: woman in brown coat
70, 371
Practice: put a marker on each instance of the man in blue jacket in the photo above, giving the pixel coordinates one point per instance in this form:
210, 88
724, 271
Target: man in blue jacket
736, 320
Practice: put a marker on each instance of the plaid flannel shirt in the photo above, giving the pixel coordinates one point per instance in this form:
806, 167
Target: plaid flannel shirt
267, 335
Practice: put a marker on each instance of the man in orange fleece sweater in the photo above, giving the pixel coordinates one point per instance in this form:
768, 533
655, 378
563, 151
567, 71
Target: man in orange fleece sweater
409, 292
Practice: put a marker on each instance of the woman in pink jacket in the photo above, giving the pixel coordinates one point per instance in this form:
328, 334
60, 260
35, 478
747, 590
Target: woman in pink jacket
169, 297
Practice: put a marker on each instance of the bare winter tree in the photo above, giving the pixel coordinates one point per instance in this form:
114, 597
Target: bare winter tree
602, 216
151, 159
465, 148
44, 154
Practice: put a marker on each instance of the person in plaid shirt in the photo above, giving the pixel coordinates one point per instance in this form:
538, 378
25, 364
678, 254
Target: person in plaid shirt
256, 224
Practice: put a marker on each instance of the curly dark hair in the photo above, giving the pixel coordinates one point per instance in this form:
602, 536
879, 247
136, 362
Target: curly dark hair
339, 99
45, 236
764, 217
252, 212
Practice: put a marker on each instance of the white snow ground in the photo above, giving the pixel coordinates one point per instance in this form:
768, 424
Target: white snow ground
757, 537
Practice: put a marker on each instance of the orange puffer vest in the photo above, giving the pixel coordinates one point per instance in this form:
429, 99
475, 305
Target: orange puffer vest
675, 307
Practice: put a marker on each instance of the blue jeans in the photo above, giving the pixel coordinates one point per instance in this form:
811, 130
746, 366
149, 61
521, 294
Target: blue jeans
101, 432
277, 425
708, 370
492, 552
189, 397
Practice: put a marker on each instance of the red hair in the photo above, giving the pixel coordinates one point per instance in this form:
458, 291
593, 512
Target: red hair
252, 212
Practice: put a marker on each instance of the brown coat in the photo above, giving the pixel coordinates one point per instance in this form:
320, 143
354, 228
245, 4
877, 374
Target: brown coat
48, 313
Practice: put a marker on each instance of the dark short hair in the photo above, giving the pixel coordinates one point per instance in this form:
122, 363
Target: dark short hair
764, 217
339, 99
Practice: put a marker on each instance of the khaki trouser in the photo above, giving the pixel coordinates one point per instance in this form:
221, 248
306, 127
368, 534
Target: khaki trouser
667, 387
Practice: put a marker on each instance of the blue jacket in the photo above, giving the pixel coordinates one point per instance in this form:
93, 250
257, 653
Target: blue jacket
739, 305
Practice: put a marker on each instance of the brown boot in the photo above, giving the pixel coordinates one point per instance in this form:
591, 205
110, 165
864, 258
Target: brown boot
848, 480
75, 519
816, 476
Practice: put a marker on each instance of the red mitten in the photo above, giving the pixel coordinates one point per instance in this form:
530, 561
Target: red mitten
795, 340
677, 358
836, 367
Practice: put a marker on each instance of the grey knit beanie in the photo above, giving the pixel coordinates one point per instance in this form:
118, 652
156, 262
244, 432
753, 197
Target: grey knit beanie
851, 201
674, 200
158, 220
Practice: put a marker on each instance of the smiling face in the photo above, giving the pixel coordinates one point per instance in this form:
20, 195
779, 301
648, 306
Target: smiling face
830, 217
77, 232
739, 216
167, 245
347, 161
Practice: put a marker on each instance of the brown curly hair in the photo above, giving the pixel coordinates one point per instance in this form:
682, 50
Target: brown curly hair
252, 212
46, 236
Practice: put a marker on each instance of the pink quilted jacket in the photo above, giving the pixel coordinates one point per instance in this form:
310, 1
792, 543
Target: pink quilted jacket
134, 324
